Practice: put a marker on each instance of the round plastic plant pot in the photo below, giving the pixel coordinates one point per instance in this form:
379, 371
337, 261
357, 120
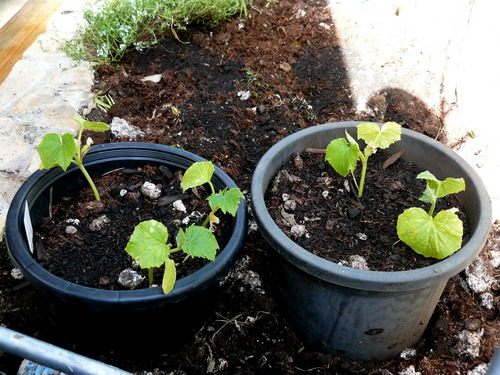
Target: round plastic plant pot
364, 315
97, 313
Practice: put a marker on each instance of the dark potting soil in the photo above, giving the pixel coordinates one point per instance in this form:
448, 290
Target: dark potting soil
94, 255
339, 226
287, 55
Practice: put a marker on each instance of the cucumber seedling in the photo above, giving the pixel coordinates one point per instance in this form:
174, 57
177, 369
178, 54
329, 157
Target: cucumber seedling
149, 245
62, 150
343, 153
433, 236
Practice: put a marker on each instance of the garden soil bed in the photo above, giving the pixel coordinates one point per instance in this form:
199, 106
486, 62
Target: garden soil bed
228, 95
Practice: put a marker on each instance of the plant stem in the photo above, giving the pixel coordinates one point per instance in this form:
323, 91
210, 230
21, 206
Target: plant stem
89, 179
431, 210
150, 275
364, 163
211, 187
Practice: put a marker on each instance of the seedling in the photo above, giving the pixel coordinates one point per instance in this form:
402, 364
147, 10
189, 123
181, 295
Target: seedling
148, 243
62, 150
438, 236
343, 154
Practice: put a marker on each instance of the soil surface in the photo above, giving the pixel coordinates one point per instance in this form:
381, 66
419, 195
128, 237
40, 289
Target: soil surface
228, 95
338, 226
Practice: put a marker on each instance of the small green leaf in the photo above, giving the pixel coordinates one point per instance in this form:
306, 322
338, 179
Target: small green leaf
198, 241
341, 156
197, 174
226, 200
95, 126
169, 276
147, 245
376, 137
437, 189
436, 237
57, 150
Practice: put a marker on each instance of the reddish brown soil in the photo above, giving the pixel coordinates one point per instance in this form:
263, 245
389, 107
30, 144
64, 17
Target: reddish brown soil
294, 70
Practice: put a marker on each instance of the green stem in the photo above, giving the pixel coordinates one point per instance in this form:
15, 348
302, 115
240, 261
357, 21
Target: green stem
211, 187
89, 179
150, 275
207, 220
364, 163
431, 210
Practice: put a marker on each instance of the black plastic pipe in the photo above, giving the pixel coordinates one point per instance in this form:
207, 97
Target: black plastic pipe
52, 356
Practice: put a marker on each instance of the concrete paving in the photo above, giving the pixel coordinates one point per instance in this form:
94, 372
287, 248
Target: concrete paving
441, 52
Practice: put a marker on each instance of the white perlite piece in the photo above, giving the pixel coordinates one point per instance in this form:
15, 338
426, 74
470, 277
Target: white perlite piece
409, 371
70, 229
73, 221
469, 343
99, 223
408, 353
121, 128
298, 230
152, 78
130, 279
16, 274
290, 205
495, 258
149, 190
123, 192
478, 278
358, 262
179, 206
487, 300
243, 95
479, 369
361, 236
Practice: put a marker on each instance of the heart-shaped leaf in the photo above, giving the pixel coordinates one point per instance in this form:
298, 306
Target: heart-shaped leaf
57, 150
147, 245
197, 174
376, 137
341, 156
436, 237
226, 200
437, 189
198, 241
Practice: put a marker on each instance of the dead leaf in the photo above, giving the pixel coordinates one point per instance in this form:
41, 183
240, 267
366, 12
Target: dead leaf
285, 66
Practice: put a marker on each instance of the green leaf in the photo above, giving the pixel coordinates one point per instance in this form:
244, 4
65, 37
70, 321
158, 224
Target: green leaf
169, 276
437, 189
376, 137
57, 150
197, 174
436, 237
341, 156
226, 200
147, 245
95, 126
198, 241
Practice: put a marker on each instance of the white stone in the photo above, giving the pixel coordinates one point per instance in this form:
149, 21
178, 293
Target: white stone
470, 343
121, 128
179, 206
153, 78
73, 221
298, 230
362, 236
150, 190
16, 274
358, 262
487, 300
408, 353
495, 258
70, 229
130, 279
99, 223
479, 369
123, 192
243, 95
290, 205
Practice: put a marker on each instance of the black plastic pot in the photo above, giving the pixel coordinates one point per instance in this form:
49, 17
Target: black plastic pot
364, 315
97, 314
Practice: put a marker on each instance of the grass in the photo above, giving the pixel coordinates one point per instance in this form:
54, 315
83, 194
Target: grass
114, 27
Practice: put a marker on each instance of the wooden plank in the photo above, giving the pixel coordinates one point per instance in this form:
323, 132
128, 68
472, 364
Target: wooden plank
22, 30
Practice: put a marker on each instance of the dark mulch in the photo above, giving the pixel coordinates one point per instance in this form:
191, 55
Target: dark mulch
294, 70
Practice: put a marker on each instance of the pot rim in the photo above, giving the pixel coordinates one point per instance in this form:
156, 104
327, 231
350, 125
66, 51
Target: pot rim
184, 287
364, 279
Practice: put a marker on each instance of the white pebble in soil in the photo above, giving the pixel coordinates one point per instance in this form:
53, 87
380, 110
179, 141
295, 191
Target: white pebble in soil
130, 279
479, 369
298, 231
73, 221
469, 343
408, 353
70, 229
99, 223
358, 262
150, 190
16, 274
179, 206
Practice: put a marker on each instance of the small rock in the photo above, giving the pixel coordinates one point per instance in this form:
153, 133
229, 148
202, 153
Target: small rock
409, 371
179, 206
73, 221
253, 227
261, 109
362, 236
290, 205
289, 218
70, 229
121, 128
243, 95
186, 220
329, 225
408, 353
150, 190
325, 194
16, 274
347, 186
495, 258
298, 162
123, 192
99, 223
152, 78
469, 343
487, 300
472, 324
479, 369
298, 231
358, 262
285, 197
478, 277
352, 212
130, 279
